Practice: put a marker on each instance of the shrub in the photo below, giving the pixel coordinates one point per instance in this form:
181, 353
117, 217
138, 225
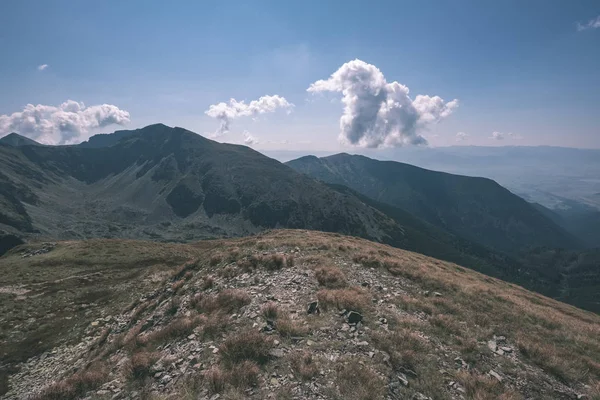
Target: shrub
304, 365
247, 346
330, 277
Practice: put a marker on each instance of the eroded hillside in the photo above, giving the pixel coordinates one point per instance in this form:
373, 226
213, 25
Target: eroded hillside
238, 318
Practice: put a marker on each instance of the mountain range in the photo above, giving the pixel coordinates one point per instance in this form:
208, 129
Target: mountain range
475, 208
170, 184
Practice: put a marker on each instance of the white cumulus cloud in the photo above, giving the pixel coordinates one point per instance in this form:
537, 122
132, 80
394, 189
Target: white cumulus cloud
68, 123
461, 136
249, 140
227, 112
42, 67
594, 23
378, 113
502, 136
497, 136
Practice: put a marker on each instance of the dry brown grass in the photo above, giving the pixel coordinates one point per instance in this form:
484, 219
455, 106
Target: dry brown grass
215, 379
175, 286
243, 374
330, 277
228, 272
227, 301
352, 299
76, 385
303, 364
273, 262
140, 364
270, 311
175, 329
239, 376
246, 346
404, 346
288, 327
359, 382
482, 387
207, 282
215, 260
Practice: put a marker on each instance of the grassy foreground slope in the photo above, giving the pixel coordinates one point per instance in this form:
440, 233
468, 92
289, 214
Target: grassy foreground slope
133, 319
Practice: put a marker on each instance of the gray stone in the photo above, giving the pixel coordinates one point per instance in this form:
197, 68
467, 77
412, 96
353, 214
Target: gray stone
402, 378
495, 375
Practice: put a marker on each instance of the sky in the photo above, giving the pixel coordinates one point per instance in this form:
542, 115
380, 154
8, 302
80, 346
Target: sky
314, 75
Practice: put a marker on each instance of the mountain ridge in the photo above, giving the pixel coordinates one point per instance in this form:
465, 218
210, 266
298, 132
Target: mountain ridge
466, 206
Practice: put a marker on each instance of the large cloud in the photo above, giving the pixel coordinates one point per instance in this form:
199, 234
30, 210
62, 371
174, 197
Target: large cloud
226, 112
378, 113
68, 123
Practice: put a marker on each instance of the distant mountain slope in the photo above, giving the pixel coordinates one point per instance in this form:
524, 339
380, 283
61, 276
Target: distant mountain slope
16, 140
169, 183
475, 208
582, 222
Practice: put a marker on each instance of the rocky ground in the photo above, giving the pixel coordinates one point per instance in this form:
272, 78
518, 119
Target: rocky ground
309, 315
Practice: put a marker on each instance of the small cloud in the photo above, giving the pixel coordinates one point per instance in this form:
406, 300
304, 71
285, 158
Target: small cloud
593, 23
497, 136
502, 136
227, 112
249, 140
42, 67
461, 136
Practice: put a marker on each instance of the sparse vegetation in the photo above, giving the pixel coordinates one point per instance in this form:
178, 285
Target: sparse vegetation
304, 364
226, 301
288, 327
140, 363
359, 382
270, 311
352, 298
430, 337
76, 385
246, 346
330, 277
215, 379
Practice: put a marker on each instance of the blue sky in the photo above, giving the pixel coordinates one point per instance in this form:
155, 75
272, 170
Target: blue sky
520, 67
